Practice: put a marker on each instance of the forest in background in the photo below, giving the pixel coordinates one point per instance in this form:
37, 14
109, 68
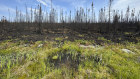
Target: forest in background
82, 20
83, 44
37, 24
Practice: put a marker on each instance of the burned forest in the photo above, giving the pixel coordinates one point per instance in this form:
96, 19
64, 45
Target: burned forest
81, 43
109, 22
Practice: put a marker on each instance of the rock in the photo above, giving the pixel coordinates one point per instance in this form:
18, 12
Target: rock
88, 71
89, 46
26, 45
127, 51
40, 45
97, 47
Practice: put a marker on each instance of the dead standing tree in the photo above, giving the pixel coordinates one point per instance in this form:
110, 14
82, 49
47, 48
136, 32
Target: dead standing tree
127, 14
92, 12
31, 15
116, 19
109, 19
39, 31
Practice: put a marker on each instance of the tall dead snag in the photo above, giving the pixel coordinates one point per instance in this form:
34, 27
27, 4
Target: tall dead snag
109, 19
92, 13
105, 15
101, 15
133, 16
127, 14
116, 18
122, 19
40, 20
70, 17
139, 16
110, 5
61, 16
9, 15
26, 14
20, 16
138, 27
16, 15
31, 15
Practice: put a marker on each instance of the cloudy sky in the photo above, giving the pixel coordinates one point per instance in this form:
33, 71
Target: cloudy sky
65, 4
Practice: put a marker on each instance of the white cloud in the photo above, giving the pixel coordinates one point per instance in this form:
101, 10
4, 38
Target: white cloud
48, 4
44, 2
123, 4
5, 9
77, 3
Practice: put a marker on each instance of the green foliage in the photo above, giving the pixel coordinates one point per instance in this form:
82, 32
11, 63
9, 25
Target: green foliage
85, 42
104, 39
58, 39
68, 60
55, 57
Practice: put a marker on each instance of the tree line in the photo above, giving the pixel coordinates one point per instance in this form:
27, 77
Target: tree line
107, 17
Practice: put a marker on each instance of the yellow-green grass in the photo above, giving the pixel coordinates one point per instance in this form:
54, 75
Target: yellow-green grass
50, 60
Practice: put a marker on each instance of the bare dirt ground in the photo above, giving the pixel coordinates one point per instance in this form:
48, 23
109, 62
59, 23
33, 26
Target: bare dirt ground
67, 34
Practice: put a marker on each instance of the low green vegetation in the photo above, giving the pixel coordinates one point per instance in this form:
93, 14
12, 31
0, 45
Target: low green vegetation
104, 39
68, 60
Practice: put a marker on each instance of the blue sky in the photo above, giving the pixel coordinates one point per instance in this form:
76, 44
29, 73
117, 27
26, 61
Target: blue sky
65, 4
